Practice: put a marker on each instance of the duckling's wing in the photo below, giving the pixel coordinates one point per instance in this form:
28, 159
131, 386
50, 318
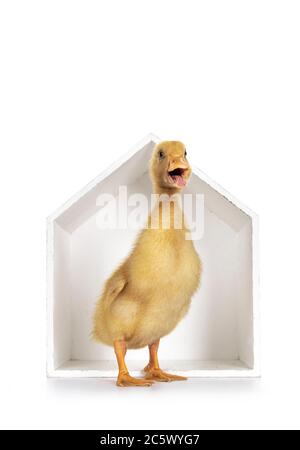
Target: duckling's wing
114, 286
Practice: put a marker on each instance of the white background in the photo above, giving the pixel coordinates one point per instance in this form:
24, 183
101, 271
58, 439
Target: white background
80, 83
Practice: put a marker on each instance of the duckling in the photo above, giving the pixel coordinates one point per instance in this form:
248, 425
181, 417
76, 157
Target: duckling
151, 291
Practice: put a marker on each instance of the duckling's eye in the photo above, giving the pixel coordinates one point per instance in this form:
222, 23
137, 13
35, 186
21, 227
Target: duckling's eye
185, 153
161, 154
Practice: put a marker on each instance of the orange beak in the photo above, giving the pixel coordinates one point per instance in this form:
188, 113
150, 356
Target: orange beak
177, 163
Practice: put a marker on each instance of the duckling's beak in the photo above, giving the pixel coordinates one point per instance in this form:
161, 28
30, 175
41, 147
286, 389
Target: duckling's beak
176, 171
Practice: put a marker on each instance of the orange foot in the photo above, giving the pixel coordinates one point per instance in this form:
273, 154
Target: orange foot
124, 379
153, 374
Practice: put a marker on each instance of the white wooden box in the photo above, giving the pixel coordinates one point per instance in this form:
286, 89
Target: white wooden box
218, 337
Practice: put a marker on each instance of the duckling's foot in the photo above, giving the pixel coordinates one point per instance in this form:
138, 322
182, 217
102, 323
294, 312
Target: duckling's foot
154, 374
124, 380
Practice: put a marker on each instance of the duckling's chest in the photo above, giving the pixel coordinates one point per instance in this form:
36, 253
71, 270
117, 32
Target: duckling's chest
169, 263
178, 266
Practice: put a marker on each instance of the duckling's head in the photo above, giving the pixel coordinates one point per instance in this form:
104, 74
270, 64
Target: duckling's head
169, 167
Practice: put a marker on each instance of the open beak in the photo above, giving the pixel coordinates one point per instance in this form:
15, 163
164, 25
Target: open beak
176, 173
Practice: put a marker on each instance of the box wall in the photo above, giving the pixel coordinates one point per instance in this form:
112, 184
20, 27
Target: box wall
62, 297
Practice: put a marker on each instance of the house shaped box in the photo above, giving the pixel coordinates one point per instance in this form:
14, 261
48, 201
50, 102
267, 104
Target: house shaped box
219, 335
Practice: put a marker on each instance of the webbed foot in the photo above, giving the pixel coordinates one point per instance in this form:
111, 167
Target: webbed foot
126, 380
154, 374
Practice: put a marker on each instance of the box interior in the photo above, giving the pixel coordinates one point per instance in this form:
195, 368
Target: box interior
217, 332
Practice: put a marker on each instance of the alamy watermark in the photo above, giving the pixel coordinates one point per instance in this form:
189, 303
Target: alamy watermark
137, 211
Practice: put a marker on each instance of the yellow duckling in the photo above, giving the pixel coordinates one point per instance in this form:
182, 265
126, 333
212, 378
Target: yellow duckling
146, 297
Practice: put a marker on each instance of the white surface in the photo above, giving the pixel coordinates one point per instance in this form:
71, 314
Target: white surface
224, 78
82, 256
188, 368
